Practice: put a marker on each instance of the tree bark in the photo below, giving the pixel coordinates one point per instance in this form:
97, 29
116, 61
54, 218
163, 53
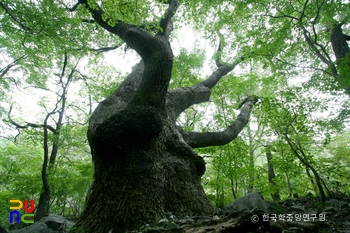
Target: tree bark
271, 175
143, 165
311, 179
219, 190
339, 41
136, 182
233, 188
289, 185
46, 192
342, 53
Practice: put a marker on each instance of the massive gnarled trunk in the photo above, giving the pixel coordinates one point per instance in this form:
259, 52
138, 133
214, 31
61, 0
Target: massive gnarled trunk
340, 68
145, 165
342, 53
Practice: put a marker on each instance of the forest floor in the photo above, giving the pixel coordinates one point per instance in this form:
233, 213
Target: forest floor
311, 215
299, 215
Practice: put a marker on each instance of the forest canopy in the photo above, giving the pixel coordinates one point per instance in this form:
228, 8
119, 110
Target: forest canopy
259, 90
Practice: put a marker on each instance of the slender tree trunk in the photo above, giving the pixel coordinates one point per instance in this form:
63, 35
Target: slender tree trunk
43, 208
342, 53
219, 195
233, 190
252, 171
319, 185
329, 194
303, 160
271, 175
45, 193
311, 179
289, 186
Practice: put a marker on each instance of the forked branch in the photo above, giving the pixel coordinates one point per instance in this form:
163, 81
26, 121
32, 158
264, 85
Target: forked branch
27, 124
179, 99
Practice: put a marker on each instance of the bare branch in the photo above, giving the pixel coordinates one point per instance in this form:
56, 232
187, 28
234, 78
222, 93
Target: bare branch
317, 13
7, 68
27, 125
283, 15
218, 55
323, 49
303, 12
23, 26
167, 18
179, 99
64, 66
88, 21
313, 47
303, 67
105, 49
74, 7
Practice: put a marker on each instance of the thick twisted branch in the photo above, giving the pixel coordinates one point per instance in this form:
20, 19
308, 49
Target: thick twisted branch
179, 99
196, 139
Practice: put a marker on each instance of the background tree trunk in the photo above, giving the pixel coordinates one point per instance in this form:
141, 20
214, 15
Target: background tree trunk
303, 160
342, 53
271, 176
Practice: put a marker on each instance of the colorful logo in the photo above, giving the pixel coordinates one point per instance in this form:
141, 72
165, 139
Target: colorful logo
19, 218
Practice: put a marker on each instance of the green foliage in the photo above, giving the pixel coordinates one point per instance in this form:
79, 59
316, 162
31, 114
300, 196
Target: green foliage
281, 110
41, 32
102, 82
68, 197
186, 67
333, 162
20, 175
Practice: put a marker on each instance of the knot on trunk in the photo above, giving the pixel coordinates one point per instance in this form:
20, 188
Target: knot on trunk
131, 129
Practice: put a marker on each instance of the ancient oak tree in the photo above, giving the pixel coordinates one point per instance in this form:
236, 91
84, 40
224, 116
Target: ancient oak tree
144, 164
